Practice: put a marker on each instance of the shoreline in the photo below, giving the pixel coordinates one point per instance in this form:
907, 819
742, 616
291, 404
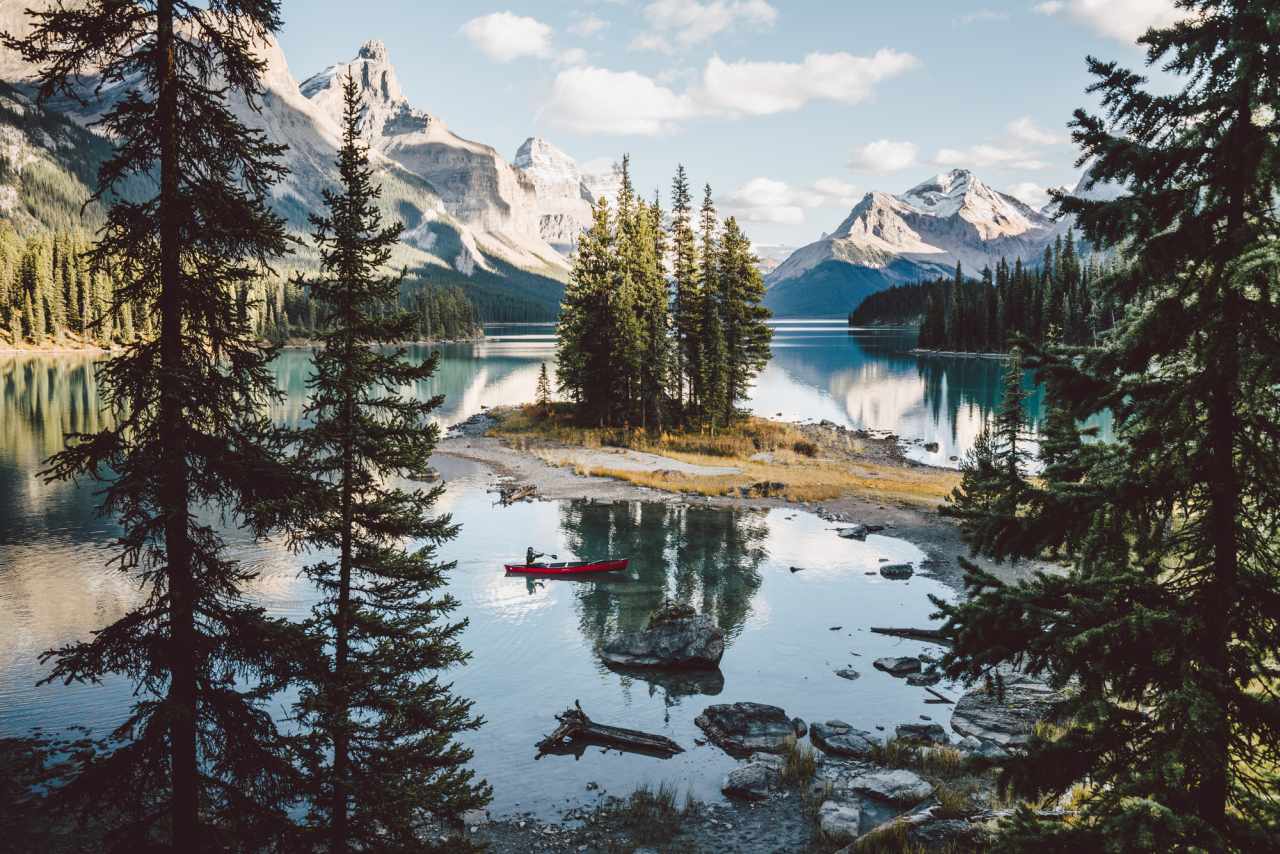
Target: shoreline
957, 354
557, 472
94, 349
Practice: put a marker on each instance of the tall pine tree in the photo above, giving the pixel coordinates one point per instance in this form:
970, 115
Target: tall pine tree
1164, 632
197, 765
379, 726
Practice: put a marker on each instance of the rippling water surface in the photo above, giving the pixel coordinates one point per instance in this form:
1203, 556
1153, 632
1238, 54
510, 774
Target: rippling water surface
533, 641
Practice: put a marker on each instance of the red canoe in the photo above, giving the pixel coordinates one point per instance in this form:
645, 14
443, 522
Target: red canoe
567, 567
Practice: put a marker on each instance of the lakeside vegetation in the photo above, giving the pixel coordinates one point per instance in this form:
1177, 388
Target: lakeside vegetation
1058, 301
769, 458
639, 348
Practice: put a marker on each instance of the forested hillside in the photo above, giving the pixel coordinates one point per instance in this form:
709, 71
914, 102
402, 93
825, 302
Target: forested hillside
1057, 301
50, 297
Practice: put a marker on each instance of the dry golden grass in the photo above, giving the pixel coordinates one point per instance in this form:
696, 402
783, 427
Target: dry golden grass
782, 454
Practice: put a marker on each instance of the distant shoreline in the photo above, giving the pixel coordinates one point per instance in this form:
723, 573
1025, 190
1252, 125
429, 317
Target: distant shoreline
96, 349
957, 354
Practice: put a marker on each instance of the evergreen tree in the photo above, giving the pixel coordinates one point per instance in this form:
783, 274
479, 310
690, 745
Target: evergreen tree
993, 489
381, 753
543, 391
686, 304
1163, 634
657, 367
746, 333
583, 360
197, 764
710, 390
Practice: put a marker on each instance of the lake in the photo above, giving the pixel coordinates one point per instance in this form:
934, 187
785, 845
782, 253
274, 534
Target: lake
533, 641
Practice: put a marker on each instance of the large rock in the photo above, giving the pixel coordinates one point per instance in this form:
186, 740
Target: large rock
675, 637
840, 739
1007, 723
741, 729
899, 787
839, 821
898, 666
754, 780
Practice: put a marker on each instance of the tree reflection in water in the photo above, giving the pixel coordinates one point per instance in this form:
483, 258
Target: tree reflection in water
706, 557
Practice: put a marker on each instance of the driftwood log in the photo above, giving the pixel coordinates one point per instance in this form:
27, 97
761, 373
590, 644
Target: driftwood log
510, 493
933, 635
577, 729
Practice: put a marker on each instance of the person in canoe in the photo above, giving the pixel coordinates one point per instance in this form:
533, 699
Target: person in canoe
531, 557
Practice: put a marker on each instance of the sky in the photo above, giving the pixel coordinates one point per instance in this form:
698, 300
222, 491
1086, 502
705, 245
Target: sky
790, 109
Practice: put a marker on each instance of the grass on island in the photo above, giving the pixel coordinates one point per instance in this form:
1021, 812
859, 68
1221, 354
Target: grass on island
774, 459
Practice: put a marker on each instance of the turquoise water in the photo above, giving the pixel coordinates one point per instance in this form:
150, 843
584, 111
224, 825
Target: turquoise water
533, 642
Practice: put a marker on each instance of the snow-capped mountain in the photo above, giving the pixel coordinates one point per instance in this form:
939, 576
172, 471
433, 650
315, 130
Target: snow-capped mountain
887, 239
562, 200
464, 206
477, 186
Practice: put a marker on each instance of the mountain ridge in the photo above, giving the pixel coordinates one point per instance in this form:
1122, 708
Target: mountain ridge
886, 239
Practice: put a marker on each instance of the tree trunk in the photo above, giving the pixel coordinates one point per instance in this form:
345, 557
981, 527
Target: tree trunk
342, 619
181, 700
1224, 499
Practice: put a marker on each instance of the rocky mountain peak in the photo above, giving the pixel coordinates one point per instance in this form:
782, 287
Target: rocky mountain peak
374, 49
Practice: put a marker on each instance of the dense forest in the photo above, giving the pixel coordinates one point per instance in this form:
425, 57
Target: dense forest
50, 294
1056, 301
638, 349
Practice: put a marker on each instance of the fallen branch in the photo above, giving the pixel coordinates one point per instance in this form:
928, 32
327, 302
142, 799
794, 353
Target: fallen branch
511, 493
932, 635
942, 698
575, 727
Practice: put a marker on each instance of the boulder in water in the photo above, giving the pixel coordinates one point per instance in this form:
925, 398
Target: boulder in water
677, 636
840, 739
741, 729
898, 666
897, 571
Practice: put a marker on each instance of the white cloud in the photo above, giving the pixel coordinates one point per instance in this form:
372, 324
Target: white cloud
836, 192
1026, 130
598, 100
1030, 193
883, 155
1123, 20
690, 22
504, 37
588, 25
769, 200
749, 88
651, 41
988, 154
572, 56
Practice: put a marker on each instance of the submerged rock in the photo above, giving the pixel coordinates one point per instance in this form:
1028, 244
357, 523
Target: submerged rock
897, 571
676, 636
741, 729
839, 821
857, 532
897, 786
840, 739
1008, 722
898, 666
848, 673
